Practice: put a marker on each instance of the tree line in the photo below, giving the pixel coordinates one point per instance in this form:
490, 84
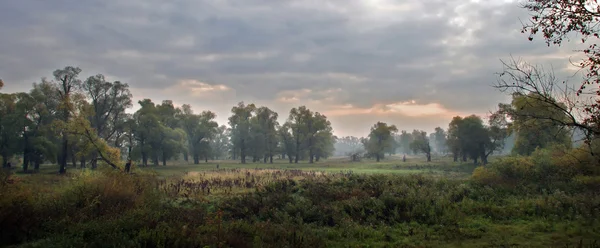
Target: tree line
472, 138
68, 120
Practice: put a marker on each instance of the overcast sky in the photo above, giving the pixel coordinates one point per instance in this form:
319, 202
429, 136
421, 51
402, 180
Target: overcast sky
412, 63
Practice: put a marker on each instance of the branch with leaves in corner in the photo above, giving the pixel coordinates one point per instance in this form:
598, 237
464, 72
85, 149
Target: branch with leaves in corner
556, 20
538, 96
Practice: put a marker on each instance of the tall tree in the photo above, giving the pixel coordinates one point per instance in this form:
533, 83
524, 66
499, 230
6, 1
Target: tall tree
440, 137
264, 129
220, 143
200, 129
287, 141
380, 139
454, 141
67, 83
297, 123
240, 127
108, 102
9, 127
405, 140
147, 127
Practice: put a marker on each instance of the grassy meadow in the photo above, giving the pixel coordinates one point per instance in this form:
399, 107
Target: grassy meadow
537, 201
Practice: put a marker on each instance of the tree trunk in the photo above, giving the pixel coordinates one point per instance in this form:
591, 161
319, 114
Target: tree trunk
82, 163
290, 158
455, 157
265, 159
464, 157
4, 160
36, 165
271, 159
317, 158
377, 157
297, 149
26, 154
428, 157
243, 152
206, 159
73, 159
144, 159
185, 156
164, 159
94, 162
196, 158
63, 157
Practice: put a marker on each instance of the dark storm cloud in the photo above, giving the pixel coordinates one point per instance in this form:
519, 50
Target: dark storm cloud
376, 52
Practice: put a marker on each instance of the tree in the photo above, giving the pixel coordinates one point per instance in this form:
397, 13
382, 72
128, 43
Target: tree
380, 139
349, 146
439, 138
200, 129
146, 129
220, 143
297, 124
556, 20
108, 102
421, 143
405, 140
287, 142
454, 142
240, 127
1, 84
264, 131
67, 83
9, 127
535, 122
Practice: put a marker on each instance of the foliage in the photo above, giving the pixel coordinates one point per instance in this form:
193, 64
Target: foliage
556, 20
290, 209
380, 139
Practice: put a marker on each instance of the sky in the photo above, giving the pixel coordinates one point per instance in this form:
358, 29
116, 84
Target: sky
411, 63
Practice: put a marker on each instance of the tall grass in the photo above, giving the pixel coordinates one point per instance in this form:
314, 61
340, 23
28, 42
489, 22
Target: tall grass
508, 203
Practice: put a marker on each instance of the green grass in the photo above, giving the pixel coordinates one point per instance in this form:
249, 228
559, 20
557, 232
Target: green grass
332, 203
391, 165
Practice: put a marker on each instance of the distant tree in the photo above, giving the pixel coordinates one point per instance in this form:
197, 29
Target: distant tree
440, 140
240, 128
421, 143
220, 142
297, 124
348, 146
405, 140
380, 139
200, 129
455, 138
287, 141
264, 131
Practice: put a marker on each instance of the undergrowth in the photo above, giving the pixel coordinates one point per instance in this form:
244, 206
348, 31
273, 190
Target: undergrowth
508, 203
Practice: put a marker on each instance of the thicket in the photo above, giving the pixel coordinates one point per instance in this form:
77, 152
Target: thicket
549, 199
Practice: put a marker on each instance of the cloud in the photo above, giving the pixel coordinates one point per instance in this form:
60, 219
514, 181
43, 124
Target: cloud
359, 61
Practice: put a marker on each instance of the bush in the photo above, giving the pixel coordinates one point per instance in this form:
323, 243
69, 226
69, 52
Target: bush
545, 169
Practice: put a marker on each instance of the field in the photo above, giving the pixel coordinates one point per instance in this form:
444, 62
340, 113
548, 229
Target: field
333, 203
